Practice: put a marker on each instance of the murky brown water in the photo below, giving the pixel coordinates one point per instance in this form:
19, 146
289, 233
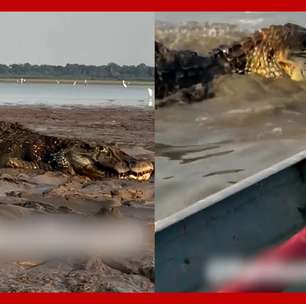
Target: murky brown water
202, 148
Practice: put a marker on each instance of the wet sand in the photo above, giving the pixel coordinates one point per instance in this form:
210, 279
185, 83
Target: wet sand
24, 193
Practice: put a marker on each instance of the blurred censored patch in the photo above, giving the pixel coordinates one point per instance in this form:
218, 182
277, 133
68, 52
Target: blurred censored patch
235, 269
67, 236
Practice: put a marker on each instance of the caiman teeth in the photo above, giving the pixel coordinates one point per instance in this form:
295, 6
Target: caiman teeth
140, 171
140, 177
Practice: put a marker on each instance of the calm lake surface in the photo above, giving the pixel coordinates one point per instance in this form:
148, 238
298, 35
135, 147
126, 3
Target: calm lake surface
69, 95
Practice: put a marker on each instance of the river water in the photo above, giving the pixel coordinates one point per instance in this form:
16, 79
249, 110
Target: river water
69, 95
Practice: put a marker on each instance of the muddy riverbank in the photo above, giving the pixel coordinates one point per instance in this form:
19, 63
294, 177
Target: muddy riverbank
204, 147
26, 193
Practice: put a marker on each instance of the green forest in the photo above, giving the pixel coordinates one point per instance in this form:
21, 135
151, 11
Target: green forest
111, 71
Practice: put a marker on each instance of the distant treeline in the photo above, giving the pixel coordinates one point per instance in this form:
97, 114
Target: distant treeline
111, 71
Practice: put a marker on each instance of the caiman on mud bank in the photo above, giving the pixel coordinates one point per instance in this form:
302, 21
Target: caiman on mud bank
25, 149
274, 52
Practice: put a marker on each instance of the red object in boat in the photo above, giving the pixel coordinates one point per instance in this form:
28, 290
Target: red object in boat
291, 251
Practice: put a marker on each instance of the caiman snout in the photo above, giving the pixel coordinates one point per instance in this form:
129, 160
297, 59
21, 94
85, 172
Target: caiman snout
122, 165
141, 170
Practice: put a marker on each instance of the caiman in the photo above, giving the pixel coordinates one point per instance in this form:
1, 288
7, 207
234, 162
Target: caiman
25, 149
274, 52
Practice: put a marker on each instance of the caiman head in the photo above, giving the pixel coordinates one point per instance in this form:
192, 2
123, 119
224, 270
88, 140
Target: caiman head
107, 161
121, 164
274, 52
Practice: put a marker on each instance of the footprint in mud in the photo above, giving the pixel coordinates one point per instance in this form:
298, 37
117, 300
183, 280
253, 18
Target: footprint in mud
223, 172
168, 177
189, 160
181, 152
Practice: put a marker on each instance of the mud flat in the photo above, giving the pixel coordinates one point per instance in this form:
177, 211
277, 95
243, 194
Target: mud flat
24, 193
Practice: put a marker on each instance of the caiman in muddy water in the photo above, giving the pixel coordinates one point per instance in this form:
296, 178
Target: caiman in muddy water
22, 148
274, 52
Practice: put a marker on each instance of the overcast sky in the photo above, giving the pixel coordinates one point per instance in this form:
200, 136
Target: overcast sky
85, 38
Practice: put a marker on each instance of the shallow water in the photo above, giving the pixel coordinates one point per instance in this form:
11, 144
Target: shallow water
68, 95
205, 147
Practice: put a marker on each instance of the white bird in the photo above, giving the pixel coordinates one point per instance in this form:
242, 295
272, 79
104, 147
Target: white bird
85, 82
150, 92
124, 83
58, 82
74, 83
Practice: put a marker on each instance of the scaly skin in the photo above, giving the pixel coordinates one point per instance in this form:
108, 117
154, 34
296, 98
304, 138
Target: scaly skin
25, 149
273, 52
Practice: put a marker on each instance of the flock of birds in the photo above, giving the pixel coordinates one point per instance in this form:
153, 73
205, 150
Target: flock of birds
124, 83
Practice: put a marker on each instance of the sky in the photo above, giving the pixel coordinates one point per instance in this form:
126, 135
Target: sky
83, 38
247, 20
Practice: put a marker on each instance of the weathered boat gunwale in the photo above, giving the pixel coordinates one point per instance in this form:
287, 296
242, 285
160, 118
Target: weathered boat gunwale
242, 220
227, 192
